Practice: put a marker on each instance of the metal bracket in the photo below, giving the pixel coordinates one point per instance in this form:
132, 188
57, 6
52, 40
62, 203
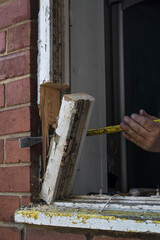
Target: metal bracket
31, 141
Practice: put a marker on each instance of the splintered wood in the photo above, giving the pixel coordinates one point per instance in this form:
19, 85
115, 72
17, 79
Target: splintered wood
66, 146
49, 111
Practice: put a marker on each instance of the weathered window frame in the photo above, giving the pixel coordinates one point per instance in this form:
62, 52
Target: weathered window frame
125, 214
53, 43
49, 26
68, 213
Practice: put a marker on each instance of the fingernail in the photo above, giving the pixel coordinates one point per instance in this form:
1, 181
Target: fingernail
126, 118
133, 115
141, 112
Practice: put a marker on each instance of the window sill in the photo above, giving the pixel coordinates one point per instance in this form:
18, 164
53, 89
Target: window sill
127, 214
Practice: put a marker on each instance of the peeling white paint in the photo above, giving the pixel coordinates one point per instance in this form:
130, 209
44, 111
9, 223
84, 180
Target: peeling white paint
62, 135
127, 206
56, 152
88, 218
44, 44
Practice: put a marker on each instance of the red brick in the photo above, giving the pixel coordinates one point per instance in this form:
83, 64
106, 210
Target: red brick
49, 235
15, 179
15, 65
2, 42
8, 205
14, 121
1, 95
21, 91
9, 233
112, 238
1, 151
16, 11
14, 153
18, 92
20, 36
26, 200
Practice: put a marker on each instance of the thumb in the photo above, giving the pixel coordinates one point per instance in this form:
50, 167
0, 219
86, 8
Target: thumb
143, 113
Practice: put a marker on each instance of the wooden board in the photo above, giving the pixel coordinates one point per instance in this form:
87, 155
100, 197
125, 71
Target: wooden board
49, 111
66, 146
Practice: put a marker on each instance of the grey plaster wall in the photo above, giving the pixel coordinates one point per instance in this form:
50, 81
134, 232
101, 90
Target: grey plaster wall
88, 75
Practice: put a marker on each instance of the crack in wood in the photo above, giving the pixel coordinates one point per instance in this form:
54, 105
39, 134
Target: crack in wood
72, 127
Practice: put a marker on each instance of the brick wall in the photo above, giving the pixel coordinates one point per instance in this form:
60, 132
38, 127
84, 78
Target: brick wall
18, 111
19, 168
72, 234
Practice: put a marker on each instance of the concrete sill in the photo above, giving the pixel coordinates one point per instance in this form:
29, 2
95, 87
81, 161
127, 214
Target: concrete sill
128, 214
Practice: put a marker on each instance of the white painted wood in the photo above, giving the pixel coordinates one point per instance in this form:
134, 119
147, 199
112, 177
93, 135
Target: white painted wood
117, 202
117, 224
145, 218
44, 43
61, 142
101, 205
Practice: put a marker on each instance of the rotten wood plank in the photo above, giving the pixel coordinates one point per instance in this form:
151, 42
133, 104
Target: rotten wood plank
66, 146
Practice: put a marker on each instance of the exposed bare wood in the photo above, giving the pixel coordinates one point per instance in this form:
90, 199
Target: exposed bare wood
67, 145
49, 110
57, 86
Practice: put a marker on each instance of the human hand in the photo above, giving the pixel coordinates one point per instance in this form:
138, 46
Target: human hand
142, 130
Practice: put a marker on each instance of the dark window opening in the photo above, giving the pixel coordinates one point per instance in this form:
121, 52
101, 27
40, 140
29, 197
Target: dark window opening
141, 48
142, 84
